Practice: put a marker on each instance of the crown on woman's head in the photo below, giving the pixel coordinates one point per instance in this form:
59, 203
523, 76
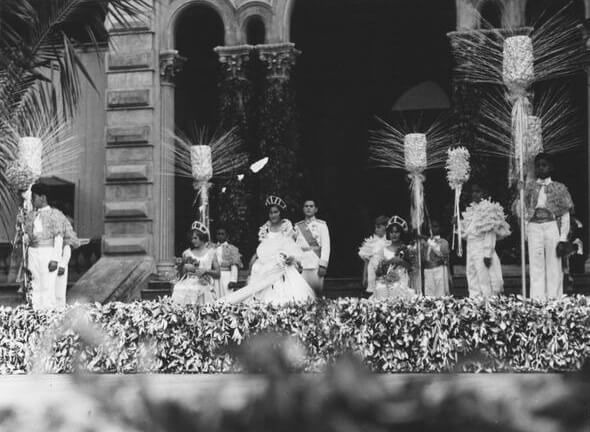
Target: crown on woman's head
273, 200
200, 227
396, 220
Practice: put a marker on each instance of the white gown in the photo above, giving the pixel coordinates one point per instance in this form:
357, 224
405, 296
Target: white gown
192, 289
387, 290
271, 280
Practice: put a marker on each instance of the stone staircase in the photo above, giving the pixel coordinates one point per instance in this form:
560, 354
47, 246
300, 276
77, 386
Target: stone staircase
9, 295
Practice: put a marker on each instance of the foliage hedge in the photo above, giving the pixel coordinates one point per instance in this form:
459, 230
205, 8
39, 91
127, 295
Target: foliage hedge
423, 335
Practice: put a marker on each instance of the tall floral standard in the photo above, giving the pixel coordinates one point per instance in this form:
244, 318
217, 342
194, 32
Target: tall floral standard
21, 174
415, 163
202, 170
518, 75
207, 159
458, 171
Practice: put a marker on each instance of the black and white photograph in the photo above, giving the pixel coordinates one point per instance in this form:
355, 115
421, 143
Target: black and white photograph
294, 215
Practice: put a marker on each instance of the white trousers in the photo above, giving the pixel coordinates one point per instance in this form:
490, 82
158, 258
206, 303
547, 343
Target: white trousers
481, 280
61, 283
313, 280
436, 282
42, 280
544, 264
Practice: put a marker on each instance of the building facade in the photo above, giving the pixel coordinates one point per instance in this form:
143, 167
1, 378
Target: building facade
126, 188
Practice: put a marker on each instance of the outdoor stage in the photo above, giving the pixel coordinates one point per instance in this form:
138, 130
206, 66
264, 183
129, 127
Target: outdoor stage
334, 287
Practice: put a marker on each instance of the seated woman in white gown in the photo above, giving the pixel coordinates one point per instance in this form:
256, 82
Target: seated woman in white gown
198, 270
274, 276
394, 264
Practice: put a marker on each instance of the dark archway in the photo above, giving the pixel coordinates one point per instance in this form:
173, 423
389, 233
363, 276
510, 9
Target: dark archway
491, 14
255, 30
198, 31
358, 58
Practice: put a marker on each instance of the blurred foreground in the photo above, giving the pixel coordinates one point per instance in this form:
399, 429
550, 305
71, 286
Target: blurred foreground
275, 397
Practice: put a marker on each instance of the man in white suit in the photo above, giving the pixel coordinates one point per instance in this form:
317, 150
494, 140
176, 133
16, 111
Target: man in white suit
313, 237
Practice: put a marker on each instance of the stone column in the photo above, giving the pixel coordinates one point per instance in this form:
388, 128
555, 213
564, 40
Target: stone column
277, 129
170, 64
234, 209
131, 163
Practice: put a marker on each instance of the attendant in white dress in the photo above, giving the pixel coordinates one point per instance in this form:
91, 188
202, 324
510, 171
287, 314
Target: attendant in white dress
394, 264
198, 270
313, 237
230, 262
274, 276
370, 247
484, 222
435, 261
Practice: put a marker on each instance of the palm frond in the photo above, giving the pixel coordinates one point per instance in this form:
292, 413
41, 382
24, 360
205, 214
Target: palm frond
41, 69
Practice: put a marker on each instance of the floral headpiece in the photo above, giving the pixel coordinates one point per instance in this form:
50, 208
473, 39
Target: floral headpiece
273, 200
396, 220
200, 227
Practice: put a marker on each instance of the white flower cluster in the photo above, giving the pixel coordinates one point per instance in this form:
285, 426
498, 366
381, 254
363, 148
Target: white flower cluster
201, 162
458, 168
518, 62
533, 137
415, 152
19, 175
30, 152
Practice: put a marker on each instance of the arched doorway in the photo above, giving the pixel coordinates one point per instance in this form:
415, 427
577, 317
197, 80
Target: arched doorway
491, 14
255, 30
358, 58
198, 31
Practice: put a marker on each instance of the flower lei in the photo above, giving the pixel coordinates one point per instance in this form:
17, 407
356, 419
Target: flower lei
483, 217
286, 229
559, 200
371, 246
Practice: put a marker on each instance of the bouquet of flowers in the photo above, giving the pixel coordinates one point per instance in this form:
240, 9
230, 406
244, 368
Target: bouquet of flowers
184, 272
387, 269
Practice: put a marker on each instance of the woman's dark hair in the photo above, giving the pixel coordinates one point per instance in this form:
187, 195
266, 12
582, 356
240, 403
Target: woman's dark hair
202, 236
482, 186
403, 234
41, 189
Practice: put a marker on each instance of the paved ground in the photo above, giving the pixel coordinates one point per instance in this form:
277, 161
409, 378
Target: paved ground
106, 402
32, 389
